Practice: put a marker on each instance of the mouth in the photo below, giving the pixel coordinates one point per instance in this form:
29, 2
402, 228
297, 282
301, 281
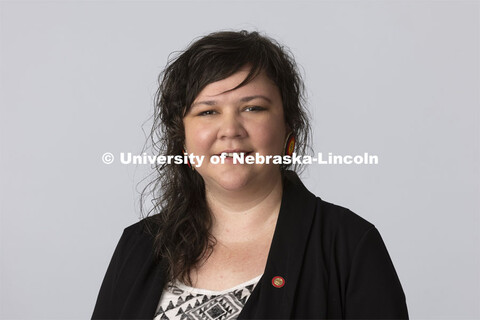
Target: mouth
232, 153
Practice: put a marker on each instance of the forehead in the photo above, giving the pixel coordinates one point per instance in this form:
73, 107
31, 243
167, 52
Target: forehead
260, 85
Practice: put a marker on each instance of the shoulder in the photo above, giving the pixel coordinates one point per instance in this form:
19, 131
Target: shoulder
338, 217
138, 238
339, 229
330, 221
146, 226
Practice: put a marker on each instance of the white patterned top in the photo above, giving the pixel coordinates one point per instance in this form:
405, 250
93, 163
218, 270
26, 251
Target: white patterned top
179, 301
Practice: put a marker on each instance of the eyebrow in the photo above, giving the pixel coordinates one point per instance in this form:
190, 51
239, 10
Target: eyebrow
244, 99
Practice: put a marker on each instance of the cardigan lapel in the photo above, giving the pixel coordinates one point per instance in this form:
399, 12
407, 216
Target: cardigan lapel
140, 300
286, 254
150, 292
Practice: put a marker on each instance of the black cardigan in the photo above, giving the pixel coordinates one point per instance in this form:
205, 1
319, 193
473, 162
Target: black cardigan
334, 263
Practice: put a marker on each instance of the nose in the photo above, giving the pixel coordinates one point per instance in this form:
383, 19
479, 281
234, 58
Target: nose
231, 126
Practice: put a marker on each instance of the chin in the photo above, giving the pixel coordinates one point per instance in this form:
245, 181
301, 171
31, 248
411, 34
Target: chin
233, 183
233, 180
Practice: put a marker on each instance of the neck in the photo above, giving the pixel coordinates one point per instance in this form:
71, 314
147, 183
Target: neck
241, 217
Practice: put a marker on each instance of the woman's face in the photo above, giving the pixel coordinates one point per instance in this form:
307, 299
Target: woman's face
248, 119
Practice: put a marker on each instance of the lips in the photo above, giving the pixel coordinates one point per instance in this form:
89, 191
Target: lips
230, 153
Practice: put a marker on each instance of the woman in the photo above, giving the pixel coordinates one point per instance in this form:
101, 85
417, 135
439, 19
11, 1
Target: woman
244, 241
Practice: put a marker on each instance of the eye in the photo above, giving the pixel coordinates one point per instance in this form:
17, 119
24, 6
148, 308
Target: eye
254, 108
207, 113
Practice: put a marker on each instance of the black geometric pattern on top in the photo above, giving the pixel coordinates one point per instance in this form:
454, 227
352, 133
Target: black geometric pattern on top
184, 305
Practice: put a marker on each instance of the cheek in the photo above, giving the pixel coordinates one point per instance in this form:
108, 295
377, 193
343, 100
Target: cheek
270, 136
198, 138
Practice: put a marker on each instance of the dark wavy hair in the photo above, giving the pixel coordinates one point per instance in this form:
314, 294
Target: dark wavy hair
180, 215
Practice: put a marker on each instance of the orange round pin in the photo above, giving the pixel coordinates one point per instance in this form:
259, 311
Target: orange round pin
278, 282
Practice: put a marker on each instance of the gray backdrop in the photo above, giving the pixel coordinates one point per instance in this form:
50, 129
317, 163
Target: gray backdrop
392, 78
